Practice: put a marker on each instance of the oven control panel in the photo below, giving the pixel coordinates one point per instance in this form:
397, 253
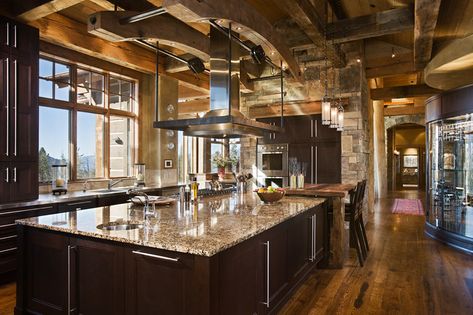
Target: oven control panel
273, 147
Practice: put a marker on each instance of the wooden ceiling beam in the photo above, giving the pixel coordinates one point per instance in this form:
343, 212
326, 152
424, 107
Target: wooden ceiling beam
391, 69
403, 92
257, 28
165, 28
65, 32
404, 110
426, 14
306, 16
368, 26
32, 10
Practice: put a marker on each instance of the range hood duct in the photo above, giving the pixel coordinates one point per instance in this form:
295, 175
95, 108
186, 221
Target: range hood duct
224, 120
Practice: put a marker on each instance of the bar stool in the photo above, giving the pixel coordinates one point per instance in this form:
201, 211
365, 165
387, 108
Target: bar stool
360, 210
352, 216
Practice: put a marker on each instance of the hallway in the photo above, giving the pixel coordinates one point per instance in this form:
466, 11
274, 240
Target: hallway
405, 273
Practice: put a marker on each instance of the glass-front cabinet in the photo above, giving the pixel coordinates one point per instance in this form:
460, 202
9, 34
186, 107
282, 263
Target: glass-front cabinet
450, 164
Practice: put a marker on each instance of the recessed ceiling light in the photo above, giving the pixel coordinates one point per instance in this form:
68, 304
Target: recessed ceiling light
219, 21
239, 28
358, 60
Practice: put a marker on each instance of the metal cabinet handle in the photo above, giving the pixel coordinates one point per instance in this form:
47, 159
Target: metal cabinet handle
316, 165
312, 164
137, 252
8, 250
311, 128
15, 102
7, 81
14, 35
316, 133
14, 174
70, 248
7, 175
314, 236
311, 257
8, 35
267, 244
8, 237
27, 210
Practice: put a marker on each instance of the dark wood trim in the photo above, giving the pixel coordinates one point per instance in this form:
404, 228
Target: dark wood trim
449, 104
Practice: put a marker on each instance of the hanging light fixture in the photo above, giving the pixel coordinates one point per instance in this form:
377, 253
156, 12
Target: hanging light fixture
340, 117
326, 101
334, 115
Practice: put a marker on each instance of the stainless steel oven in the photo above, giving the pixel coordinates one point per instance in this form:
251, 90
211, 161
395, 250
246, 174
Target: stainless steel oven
272, 161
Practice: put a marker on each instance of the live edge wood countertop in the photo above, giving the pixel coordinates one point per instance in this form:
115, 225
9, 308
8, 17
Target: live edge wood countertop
206, 228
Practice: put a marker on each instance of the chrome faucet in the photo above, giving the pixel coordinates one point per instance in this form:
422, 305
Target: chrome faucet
146, 207
112, 183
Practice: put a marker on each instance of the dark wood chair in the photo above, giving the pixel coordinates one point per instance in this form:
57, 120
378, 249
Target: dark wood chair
360, 210
352, 216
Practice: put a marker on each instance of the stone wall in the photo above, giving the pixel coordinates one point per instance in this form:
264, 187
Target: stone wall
355, 153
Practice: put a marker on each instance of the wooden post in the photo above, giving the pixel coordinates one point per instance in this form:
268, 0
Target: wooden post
380, 169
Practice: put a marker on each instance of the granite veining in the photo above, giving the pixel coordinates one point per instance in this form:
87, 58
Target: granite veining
206, 228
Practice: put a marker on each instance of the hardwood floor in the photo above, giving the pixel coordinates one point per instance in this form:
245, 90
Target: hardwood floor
405, 273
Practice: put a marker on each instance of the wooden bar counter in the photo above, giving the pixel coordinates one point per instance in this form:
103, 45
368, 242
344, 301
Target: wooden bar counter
336, 192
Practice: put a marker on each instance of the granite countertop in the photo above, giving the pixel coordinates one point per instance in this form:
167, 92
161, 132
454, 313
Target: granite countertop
206, 228
49, 198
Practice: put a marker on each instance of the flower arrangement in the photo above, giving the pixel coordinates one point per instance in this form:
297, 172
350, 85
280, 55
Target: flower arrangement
219, 160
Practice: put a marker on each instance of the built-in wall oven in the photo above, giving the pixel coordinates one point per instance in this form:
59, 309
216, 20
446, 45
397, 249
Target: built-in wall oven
272, 164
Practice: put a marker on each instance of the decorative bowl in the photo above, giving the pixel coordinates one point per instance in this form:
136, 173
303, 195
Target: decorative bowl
267, 197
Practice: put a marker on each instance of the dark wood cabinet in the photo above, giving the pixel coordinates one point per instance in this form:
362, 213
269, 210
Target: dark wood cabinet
98, 268
158, 282
48, 265
19, 56
61, 272
77, 205
322, 160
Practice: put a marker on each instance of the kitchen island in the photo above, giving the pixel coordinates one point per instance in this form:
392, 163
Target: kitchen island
224, 255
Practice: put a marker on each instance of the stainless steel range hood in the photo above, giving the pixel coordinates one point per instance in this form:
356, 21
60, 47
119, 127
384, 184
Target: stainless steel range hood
224, 120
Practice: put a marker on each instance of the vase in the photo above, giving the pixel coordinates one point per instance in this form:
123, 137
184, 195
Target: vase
221, 173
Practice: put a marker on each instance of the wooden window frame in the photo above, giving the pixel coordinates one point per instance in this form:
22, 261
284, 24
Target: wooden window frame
75, 107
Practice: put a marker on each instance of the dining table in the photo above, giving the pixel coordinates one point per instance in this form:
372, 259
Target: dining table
337, 192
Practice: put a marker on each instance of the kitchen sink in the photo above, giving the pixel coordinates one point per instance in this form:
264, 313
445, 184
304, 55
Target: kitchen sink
119, 226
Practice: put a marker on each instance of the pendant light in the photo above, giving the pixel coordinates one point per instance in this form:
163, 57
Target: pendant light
340, 117
326, 101
334, 115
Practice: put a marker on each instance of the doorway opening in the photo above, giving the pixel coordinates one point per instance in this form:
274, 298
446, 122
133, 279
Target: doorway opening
406, 157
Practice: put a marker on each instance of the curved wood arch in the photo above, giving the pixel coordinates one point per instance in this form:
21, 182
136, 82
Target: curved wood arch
165, 28
260, 30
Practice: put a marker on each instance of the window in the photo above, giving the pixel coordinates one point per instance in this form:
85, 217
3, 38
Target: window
121, 94
87, 114
53, 140
90, 137
90, 88
216, 147
54, 80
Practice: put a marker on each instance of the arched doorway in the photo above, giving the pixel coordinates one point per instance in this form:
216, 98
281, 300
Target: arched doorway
406, 156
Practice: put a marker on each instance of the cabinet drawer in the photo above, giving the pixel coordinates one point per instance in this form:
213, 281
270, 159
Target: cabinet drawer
7, 229
77, 205
8, 245
8, 217
8, 262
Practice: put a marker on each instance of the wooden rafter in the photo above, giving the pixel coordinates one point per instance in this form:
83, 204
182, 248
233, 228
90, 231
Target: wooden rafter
31, 10
404, 110
403, 92
65, 32
426, 13
306, 16
390, 69
165, 28
257, 28
367, 26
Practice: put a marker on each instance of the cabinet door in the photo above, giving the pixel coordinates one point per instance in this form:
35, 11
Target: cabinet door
238, 277
299, 244
327, 164
47, 272
321, 236
275, 265
305, 153
5, 182
77, 205
157, 282
98, 278
24, 181
24, 108
4, 107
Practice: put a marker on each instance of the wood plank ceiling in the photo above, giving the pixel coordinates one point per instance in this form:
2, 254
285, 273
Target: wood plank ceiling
398, 36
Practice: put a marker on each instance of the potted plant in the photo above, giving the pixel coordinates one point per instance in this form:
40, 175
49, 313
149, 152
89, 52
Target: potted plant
221, 162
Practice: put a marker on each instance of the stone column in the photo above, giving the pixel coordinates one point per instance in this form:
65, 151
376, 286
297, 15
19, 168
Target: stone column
380, 169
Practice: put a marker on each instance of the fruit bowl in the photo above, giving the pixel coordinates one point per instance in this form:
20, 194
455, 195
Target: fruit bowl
270, 197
